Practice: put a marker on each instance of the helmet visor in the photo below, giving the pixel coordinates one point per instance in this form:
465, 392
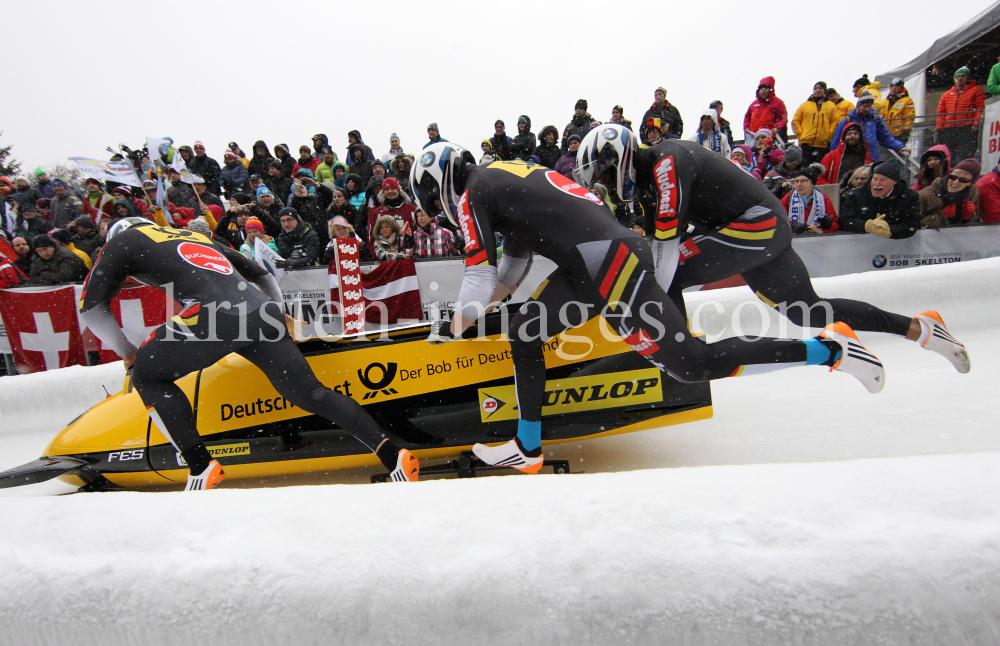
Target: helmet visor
428, 194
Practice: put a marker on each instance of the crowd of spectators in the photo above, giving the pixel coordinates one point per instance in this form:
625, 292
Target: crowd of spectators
298, 206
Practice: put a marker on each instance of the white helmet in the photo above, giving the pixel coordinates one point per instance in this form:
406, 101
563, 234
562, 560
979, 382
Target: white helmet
438, 179
608, 147
125, 223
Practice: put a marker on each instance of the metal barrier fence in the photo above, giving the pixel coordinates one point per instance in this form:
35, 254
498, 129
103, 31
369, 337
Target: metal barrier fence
959, 131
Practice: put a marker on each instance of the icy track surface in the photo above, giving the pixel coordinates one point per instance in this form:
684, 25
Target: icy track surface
806, 512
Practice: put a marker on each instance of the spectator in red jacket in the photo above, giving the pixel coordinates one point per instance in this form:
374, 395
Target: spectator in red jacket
960, 132
97, 204
306, 160
809, 210
766, 111
852, 153
989, 196
934, 163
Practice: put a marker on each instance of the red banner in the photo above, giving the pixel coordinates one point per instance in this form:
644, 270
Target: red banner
347, 265
392, 284
42, 327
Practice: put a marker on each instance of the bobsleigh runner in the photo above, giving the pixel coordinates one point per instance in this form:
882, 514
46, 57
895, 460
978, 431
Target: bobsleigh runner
436, 401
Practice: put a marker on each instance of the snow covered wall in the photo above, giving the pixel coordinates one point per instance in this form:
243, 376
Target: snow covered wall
805, 512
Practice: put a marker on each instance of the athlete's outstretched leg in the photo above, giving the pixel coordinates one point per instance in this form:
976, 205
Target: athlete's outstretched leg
289, 372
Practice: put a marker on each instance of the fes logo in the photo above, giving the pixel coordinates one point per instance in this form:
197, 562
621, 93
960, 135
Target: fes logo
204, 257
569, 186
427, 159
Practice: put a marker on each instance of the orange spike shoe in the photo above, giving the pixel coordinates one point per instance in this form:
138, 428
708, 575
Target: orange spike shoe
855, 359
934, 336
207, 479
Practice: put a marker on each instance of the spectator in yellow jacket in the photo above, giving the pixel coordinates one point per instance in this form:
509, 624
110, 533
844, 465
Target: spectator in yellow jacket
813, 124
898, 111
874, 88
841, 108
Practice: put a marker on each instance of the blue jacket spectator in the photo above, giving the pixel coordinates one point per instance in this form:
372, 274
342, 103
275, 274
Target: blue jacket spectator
874, 127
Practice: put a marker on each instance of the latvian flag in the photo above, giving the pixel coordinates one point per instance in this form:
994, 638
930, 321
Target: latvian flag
392, 283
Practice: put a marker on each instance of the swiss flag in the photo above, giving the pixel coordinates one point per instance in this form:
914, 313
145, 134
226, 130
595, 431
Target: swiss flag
42, 327
139, 310
392, 283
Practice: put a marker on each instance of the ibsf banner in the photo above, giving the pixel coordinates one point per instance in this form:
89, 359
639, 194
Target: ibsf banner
991, 135
114, 171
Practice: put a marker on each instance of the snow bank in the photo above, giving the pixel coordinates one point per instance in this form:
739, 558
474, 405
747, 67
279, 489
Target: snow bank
787, 537
902, 550
49, 400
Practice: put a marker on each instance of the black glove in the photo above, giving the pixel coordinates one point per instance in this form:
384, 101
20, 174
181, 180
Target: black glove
826, 223
798, 227
281, 263
440, 333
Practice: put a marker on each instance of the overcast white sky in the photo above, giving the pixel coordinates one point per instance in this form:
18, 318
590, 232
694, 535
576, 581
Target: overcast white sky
89, 75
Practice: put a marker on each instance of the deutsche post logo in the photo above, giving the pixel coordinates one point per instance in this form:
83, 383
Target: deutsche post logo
383, 374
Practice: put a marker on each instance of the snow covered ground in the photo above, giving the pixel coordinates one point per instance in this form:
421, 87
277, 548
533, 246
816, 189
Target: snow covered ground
806, 512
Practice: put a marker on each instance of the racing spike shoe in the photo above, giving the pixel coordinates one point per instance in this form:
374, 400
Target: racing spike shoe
207, 479
934, 336
854, 358
407, 468
509, 454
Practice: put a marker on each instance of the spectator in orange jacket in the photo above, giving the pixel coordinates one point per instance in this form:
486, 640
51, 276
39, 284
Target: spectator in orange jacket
960, 132
766, 111
989, 196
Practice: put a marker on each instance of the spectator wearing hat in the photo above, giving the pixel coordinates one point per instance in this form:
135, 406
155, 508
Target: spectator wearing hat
29, 224
654, 132
390, 201
354, 137
431, 240
64, 239
742, 156
522, 146
254, 230
637, 225
276, 182
234, 176
766, 111
618, 116
935, 162
97, 204
710, 136
306, 160
205, 167
841, 106
266, 210
567, 163
898, 111
298, 243
43, 184
809, 210
989, 196
180, 192
433, 134
400, 170
849, 155
874, 128
501, 142
285, 160
779, 179
488, 157
960, 110
240, 155
86, 238
341, 206
147, 205
230, 226
324, 172
766, 152
813, 124
340, 228
548, 150
580, 125
952, 200
395, 148
390, 240
64, 207
25, 192
360, 164
55, 265
205, 197
884, 206
671, 124
724, 125
874, 88
261, 159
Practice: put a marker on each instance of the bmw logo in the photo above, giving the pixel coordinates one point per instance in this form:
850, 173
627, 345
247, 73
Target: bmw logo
878, 261
609, 134
427, 159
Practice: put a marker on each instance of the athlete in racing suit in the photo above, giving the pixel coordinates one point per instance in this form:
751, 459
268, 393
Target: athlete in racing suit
230, 304
740, 228
603, 268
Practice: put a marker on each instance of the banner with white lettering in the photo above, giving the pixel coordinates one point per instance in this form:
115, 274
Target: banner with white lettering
348, 292
265, 256
991, 135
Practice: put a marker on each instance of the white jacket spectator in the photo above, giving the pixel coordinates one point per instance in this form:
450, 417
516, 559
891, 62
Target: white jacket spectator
710, 135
